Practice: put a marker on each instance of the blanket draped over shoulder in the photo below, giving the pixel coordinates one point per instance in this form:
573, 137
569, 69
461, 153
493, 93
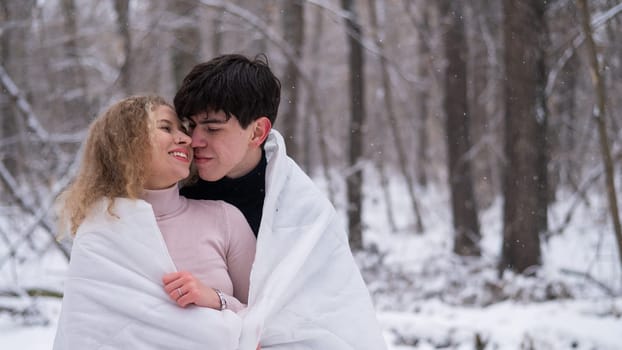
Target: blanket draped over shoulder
114, 297
306, 291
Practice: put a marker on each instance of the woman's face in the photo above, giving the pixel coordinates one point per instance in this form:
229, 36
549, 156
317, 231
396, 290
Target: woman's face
171, 152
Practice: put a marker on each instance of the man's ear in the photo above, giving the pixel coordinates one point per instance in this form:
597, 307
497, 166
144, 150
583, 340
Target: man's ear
261, 129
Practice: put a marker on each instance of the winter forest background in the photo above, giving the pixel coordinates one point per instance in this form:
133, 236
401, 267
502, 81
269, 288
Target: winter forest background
473, 147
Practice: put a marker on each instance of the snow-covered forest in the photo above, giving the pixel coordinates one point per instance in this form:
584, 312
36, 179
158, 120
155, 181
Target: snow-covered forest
473, 148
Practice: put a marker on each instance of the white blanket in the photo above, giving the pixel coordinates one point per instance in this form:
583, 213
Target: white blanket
113, 294
306, 291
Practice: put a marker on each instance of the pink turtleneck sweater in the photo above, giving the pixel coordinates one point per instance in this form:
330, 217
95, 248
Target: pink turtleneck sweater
210, 239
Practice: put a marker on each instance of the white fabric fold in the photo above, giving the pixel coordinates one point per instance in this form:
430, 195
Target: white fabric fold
306, 291
114, 296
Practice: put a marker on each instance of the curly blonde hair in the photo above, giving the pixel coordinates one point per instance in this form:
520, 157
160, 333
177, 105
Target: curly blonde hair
114, 161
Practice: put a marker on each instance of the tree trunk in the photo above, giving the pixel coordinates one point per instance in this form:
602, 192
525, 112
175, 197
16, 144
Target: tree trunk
357, 121
422, 97
463, 205
599, 116
317, 120
308, 123
385, 185
545, 191
123, 27
564, 106
391, 116
263, 10
217, 32
187, 39
419, 19
13, 51
75, 76
482, 128
293, 32
522, 210
488, 20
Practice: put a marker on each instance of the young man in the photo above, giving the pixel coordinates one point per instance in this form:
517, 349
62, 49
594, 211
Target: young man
306, 291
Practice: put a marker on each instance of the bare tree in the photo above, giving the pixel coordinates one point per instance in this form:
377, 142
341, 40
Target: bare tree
13, 48
457, 124
419, 19
75, 77
122, 8
187, 38
293, 33
389, 111
217, 32
483, 80
313, 54
564, 106
357, 121
422, 98
263, 10
315, 119
32, 204
599, 114
522, 223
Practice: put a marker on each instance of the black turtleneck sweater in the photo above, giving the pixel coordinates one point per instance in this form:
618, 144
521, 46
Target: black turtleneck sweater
246, 193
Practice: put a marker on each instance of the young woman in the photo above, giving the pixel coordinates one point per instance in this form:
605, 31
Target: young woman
138, 244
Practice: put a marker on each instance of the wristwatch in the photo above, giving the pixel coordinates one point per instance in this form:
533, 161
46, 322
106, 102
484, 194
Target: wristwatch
223, 301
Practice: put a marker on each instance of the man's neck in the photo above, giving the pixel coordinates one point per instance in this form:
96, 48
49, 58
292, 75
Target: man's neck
247, 165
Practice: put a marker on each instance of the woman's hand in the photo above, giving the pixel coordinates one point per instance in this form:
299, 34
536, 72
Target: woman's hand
185, 289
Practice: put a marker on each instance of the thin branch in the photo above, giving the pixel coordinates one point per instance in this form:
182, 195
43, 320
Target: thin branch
610, 291
260, 25
367, 44
578, 40
599, 115
22, 104
32, 292
64, 138
579, 196
32, 121
12, 185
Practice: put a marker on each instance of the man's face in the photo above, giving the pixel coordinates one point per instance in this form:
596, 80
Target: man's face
222, 147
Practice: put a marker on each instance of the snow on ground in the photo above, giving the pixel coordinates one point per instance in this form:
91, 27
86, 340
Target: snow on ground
508, 325
426, 297
38, 332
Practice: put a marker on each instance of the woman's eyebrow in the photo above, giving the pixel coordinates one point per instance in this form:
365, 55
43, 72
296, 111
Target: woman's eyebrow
168, 122
164, 120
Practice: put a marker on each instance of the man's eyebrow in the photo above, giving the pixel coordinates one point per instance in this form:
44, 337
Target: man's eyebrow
208, 120
215, 121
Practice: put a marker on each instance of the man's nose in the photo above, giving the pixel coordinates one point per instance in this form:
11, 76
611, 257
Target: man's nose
198, 138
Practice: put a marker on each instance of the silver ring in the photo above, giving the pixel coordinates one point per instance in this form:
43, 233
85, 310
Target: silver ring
179, 292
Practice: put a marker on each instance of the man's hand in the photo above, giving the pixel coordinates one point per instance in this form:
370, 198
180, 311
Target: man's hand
185, 289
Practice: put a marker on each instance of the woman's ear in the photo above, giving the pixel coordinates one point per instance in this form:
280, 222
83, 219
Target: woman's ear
261, 129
